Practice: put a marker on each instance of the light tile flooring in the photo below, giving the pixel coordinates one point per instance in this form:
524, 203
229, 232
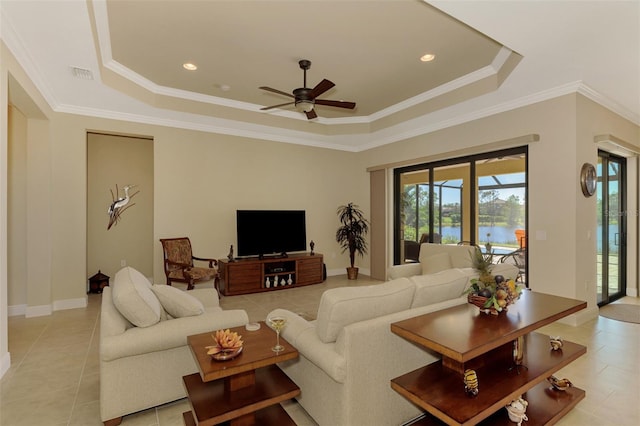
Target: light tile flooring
54, 377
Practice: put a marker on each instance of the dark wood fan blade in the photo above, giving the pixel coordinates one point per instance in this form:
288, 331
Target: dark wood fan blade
339, 104
320, 88
280, 92
276, 106
311, 114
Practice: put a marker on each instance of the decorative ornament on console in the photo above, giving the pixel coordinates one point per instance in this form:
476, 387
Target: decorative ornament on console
559, 384
471, 383
517, 409
556, 343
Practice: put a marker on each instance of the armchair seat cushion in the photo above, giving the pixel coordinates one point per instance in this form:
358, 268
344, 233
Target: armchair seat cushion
195, 272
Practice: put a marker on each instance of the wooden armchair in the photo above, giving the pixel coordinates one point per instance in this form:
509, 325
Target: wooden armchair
179, 267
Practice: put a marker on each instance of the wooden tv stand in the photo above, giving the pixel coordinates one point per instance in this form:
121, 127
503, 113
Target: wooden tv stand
468, 339
250, 275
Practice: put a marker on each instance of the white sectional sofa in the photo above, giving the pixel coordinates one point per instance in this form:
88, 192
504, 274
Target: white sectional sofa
439, 257
143, 341
348, 355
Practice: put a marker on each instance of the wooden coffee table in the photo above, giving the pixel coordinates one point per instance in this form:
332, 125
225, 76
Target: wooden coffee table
469, 339
246, 390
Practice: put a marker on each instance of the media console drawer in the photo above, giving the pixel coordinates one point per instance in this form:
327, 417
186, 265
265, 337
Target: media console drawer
310, 270
249, 275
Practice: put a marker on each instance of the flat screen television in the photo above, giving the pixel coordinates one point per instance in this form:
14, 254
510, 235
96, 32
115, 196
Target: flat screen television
270, 232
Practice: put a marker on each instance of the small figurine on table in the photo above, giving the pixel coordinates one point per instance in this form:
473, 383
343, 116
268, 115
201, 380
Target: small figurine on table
230, 255
312, 245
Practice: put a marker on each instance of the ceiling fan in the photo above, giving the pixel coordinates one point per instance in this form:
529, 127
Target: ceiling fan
305, 98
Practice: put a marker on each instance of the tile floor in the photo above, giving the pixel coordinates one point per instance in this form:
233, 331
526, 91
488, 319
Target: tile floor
54, 378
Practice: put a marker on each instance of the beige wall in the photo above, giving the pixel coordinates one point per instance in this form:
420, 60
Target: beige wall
201, 179
119, 160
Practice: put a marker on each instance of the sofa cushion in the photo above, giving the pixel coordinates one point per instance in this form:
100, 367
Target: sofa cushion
438, 287
436, 263
176, 302
342, 306
461, 255
134, 299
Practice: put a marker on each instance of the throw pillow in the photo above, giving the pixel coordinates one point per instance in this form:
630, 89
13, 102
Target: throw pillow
342, 306
176, 302
132, 296
438, 287
436, 263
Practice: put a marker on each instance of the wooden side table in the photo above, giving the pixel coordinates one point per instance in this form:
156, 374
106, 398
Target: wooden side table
466, 339
246, 390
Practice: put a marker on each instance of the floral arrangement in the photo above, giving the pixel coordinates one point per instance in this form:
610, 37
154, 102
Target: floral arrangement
226, 341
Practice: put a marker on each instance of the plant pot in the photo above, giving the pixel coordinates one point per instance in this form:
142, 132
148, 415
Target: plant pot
352, 273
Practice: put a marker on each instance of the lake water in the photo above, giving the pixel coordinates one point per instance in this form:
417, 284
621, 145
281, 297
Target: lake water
506, 235
499, 234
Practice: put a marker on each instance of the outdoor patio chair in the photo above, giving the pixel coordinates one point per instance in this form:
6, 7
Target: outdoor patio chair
517, 257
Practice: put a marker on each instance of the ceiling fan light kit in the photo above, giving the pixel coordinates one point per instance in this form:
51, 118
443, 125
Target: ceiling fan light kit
305, 99
304, 106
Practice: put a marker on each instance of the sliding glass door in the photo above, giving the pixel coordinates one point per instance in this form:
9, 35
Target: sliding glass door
611, 239
477, 200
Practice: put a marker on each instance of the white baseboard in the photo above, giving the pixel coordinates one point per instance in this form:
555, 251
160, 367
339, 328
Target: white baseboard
16, 310
633, 292
43, 310
38, 311
61, 305
5, 363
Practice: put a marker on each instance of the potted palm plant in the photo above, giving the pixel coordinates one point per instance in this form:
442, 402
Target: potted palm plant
351, 234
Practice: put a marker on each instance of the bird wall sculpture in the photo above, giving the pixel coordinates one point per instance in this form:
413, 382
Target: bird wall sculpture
119, 204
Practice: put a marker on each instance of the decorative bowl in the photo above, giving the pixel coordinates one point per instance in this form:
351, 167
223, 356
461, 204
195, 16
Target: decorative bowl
493, 297
226, 354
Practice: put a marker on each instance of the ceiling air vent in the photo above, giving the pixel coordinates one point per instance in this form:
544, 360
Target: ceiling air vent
82, 73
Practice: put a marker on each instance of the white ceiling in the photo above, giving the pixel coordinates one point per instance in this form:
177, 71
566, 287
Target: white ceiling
491, 56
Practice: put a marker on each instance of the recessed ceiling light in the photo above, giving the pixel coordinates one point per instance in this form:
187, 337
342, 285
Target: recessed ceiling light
189, 66
427, 57
225, 87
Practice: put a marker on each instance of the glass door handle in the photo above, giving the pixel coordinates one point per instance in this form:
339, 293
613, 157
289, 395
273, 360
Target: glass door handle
616, 239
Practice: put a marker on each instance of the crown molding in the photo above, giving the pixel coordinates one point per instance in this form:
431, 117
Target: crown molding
17, 48
610, 104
